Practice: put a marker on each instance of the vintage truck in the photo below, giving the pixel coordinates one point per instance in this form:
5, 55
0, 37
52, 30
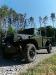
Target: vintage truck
24, 43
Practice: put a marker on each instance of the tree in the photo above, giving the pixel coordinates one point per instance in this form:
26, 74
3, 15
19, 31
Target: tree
49, 31
53, 20
4, 10
25, 22
21, 19
31, 20
45, 22
40, 21
3, 14
12, 16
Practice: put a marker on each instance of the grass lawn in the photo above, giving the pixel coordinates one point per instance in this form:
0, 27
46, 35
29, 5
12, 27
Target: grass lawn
46, 67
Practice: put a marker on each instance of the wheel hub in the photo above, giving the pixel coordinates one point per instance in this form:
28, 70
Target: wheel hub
32, 53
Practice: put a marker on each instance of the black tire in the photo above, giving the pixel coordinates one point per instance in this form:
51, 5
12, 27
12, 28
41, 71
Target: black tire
49, 48
30, 53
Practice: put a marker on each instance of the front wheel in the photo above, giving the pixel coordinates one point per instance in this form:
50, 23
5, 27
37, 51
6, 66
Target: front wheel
49, 48
30, 52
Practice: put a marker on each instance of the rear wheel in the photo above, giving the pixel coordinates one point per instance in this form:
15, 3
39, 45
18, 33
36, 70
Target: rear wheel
49, 48
30, 53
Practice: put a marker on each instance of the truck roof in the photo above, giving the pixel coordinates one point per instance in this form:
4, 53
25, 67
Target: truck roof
29, 31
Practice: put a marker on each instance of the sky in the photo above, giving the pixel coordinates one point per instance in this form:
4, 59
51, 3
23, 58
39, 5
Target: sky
33, 8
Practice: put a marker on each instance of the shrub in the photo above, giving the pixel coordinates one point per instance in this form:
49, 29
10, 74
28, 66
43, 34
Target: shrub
10, 30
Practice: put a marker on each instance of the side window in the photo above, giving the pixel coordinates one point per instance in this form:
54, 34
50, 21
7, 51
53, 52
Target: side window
36, 32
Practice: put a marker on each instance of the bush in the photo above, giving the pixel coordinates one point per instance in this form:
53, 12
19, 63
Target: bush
10, 30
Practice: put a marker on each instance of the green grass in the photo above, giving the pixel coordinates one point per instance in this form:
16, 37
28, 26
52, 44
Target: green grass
46, 67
